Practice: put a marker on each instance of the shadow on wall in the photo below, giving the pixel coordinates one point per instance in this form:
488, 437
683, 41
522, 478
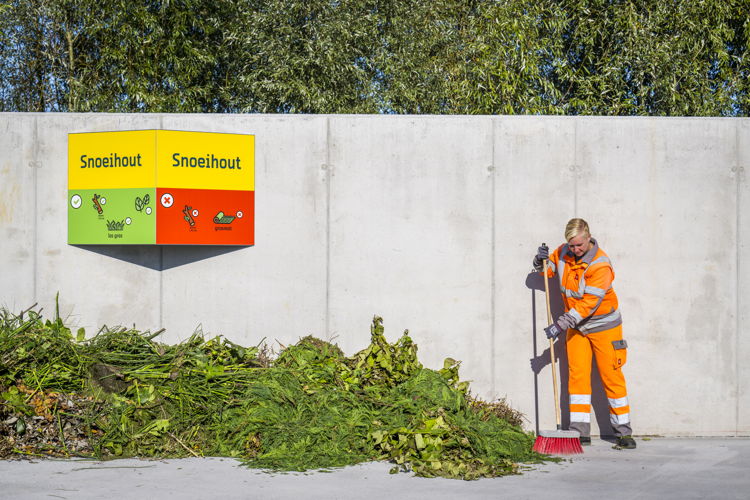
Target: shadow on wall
160, 258
599, 402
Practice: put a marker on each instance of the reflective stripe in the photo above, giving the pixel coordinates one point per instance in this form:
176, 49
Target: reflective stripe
582, 286
588, 318
577, 293
598, 303
576, 315
551, 265
583, 289
599, 292
574, 294
617, 419
618, 402
577, 416
561, 273
580, 399
601, 259
600, 323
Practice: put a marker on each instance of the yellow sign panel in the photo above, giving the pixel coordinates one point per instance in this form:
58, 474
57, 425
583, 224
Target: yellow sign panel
112, 159
205, 160
161, 158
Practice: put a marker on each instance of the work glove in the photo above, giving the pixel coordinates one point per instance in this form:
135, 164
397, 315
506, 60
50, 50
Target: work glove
542, 254
561, 325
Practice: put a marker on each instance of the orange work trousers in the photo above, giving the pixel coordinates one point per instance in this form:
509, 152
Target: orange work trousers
609, 361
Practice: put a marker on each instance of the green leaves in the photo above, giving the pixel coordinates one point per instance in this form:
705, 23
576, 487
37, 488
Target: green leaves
436, 448
140, 203
377, 56
121, 393
382, 363
15, 400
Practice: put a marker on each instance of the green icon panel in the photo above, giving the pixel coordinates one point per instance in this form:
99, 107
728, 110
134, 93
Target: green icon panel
106, 216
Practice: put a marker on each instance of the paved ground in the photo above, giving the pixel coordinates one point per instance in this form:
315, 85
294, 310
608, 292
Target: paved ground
658, 469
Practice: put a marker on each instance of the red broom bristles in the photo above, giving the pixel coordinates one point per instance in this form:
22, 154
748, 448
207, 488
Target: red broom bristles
557, 445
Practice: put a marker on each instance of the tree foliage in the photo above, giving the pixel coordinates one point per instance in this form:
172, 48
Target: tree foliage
607, 57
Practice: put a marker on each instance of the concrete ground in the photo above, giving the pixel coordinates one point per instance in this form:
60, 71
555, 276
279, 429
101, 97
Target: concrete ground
660, 468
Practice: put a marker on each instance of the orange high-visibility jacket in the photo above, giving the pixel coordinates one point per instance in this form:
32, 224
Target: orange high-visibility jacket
586, 288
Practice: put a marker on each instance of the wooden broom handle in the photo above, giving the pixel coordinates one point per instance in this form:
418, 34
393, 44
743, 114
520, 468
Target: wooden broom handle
552, 350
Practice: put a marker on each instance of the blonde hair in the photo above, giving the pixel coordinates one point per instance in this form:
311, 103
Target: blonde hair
575, 227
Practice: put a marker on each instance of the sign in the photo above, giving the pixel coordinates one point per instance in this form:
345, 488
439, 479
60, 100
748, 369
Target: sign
162, 187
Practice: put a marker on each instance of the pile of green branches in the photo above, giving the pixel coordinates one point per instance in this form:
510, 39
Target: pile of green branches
121, 393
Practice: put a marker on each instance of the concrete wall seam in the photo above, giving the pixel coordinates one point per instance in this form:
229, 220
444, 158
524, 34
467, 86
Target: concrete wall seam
35, 169
492, 167
327, 171
737, 169
574, 167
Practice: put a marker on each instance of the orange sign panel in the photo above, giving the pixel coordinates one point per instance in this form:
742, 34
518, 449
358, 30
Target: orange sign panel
205, 217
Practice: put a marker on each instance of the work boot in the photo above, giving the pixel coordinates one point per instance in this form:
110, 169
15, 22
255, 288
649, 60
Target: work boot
626, 442
585, 440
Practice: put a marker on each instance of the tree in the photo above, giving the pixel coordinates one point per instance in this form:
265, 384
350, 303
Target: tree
302, 57
84, 55
607, 57
26, 58
511, 54
610, 57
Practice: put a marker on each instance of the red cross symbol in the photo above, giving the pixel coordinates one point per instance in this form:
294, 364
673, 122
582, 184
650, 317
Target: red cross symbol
167, 200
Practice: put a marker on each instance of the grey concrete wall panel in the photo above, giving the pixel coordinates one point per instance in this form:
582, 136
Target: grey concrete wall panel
411, 235
98, 285
534, 198
742, 332
277, 288
658, 193
431, 222
18, 174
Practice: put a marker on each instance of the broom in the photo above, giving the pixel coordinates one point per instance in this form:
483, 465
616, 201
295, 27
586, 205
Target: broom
557, 442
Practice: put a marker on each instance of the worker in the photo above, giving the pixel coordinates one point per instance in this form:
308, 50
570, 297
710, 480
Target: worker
592, 326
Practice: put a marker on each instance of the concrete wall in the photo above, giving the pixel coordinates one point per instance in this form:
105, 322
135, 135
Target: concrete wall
430, 222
